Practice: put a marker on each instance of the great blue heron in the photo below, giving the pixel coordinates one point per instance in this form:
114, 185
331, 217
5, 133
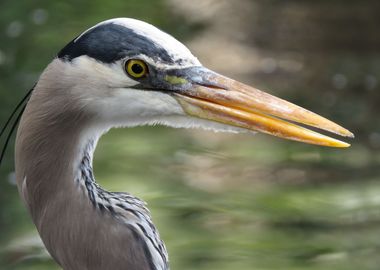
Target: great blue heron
125, 73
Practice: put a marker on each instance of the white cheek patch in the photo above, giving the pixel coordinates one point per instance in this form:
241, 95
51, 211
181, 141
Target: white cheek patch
131, 107
125, 105
92, 71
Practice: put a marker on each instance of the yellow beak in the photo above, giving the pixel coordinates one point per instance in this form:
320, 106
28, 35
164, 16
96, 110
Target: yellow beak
233, 103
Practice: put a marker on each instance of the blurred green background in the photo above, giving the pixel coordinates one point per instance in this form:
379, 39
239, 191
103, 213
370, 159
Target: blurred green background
226, 201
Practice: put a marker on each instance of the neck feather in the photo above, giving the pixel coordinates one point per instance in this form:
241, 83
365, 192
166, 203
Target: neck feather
54, 150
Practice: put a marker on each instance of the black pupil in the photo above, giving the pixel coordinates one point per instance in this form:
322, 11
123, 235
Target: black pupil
137, 68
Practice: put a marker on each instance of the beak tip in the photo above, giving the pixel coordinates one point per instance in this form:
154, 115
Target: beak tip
346, 133
346, 145
341, 144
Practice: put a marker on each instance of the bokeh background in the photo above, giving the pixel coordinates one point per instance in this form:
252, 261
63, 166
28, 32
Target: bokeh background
227, 201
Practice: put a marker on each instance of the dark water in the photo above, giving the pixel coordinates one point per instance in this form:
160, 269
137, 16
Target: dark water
225, 201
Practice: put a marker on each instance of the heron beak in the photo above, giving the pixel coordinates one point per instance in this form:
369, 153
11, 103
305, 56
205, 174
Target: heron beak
224, 100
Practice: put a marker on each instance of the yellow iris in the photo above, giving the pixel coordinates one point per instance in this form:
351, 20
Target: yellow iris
136, 68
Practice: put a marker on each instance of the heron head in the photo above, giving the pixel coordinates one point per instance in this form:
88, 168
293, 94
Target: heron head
130, 73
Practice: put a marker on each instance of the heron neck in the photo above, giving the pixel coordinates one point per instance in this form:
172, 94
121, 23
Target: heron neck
53, 140
54, 148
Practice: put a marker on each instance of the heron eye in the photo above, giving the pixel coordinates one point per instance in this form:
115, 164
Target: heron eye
136, 68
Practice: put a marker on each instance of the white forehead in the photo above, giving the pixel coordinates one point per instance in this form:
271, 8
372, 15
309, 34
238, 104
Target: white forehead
175, 48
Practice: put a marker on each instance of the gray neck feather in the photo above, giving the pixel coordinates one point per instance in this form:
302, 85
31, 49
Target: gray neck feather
82, 225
